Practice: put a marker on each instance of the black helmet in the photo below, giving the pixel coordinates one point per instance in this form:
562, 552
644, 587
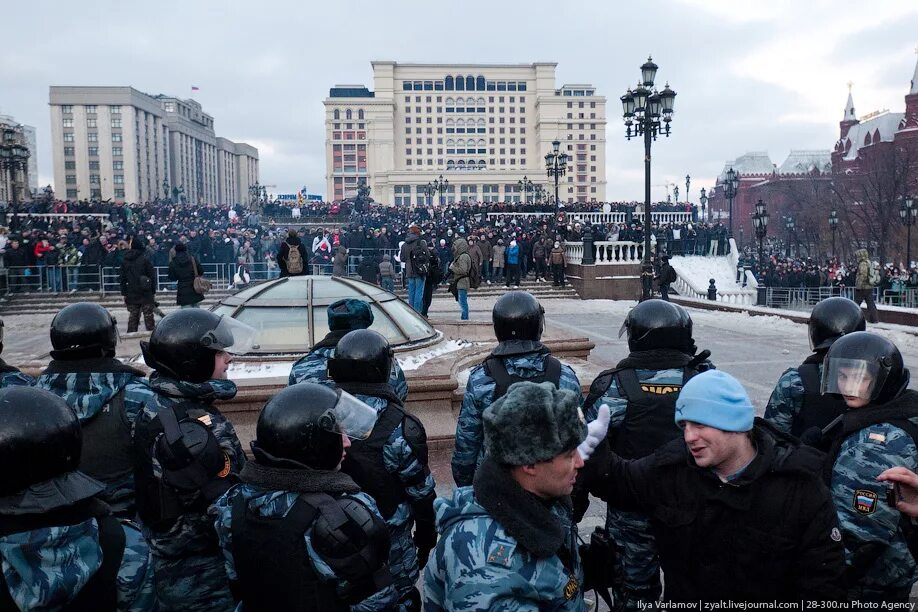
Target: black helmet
40, 438
184, 343
518, 315
864, 365
83, 330
831, 319
362, 355
302, 426
658, 324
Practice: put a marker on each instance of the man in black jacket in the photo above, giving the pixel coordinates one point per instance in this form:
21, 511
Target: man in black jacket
138, 286
738, 509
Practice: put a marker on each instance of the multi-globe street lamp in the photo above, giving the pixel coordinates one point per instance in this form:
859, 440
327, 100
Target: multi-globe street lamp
688, 181
440, 185
525, 187
833, 226
647, 113
789, 225
14, 158
731, 185
429, 191
704, 203
908, 212
760, 223
556, 167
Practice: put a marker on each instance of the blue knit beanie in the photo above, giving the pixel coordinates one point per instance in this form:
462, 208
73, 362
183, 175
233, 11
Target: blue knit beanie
716, 399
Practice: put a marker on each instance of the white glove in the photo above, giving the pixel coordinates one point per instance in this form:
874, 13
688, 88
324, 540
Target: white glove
596, 433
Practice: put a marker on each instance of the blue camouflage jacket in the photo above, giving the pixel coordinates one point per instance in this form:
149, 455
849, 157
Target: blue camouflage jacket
278, 503
15, 378
866, 518
786, 400
46, 568
479, 393
87, 393
313, 367
477, 565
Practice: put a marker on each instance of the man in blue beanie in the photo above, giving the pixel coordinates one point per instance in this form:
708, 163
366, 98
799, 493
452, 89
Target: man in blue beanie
738, 509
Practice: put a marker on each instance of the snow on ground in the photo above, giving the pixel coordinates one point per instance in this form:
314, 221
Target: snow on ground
240, 370
413, 362
697, 271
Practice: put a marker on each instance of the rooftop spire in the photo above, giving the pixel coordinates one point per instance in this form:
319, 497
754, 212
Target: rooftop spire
849, 106
914, 89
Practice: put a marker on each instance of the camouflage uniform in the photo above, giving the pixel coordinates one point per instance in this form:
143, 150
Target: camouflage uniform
313, 367
786, 400
189, 567
14, 378
869, 525
477, 565
640, 565
399, 458
87, 393
46, 568
278, 503
479, 393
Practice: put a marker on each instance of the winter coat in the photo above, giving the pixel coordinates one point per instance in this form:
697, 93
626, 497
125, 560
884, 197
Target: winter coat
181, 270
386, 270
863, 270
475, 254
538, 250
498, 251
138, 278
246, 256
16, 258
462, 263
412, 241
339, 263
558, 257
513, 255
770, 534
486, 249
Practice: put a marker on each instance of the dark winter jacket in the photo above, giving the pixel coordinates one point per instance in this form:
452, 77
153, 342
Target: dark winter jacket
286, 245
412, 241
138, 278
181, 270
771, 534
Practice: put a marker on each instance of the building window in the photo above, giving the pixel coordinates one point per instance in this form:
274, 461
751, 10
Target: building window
116, 137
91, 123
92, 137
91, 109
116, 123
68, 123
116, 151
117, 165
115, 109
118, 179
94, 179
68, 136
94, 165
119, 193
71, 194
71, 179
93, 151
69, 151
69, 165
67, 109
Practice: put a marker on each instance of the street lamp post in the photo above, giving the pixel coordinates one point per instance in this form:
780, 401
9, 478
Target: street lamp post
704, 203
760, 223
13, 159
429, 191
440, 186
789, 225
647, 113
833, 225
688, 181
525, 186
676, 194
908, 212
556, 166
730, 186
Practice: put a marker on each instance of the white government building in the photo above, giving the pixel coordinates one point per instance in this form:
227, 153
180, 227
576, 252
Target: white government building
483, 127
122, 144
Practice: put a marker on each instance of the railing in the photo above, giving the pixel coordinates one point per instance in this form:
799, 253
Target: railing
607, 252
804, 298
907, 298
519, 214
605, 217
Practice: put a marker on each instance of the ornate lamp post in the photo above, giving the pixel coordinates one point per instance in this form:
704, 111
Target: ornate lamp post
731, 185
14, 158
704, 202
429, 191
688, 181
760, 223
908, 212
440, 186
676, 194
789, 226
525, 186
556, 166
833, 225
647, 113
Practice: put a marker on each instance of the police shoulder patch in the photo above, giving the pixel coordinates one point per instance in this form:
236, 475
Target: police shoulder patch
571, 588
501, 552
865, 501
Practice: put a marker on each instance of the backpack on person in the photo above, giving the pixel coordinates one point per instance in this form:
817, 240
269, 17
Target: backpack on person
294, 259
420, 260
873, 275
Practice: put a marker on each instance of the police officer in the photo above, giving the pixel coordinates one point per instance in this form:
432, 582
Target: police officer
343, 316
796, 404
60, 546
391, 465
641, 393
519, 320
106, 395
188, 454
10, 376
298, 534
877, 432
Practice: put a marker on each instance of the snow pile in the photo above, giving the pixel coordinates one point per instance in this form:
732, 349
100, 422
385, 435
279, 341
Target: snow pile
413, 362
243, 370
697, 271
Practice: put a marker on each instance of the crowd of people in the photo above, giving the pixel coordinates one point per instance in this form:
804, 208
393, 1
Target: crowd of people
133, 492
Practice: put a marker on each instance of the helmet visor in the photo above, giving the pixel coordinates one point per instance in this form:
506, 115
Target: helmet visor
353, 418
624, 328
853, 377
231, 336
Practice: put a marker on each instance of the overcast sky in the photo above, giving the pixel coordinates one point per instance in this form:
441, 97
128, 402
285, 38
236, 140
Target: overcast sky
751, 75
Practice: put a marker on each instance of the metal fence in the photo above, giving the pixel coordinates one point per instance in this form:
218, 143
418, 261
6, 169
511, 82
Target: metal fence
804, 298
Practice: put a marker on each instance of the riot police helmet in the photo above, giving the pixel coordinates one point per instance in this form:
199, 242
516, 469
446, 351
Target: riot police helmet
83, 330
517, 315
658, 324
865, 366
362, 355
303, 426
831, 319
183, 345
40, 439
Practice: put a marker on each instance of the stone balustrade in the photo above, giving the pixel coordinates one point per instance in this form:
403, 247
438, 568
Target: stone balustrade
607, 252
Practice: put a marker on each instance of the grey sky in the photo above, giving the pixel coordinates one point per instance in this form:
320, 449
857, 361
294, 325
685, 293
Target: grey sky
750, 74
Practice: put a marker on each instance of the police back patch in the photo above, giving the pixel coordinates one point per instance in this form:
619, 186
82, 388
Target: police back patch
865, 501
